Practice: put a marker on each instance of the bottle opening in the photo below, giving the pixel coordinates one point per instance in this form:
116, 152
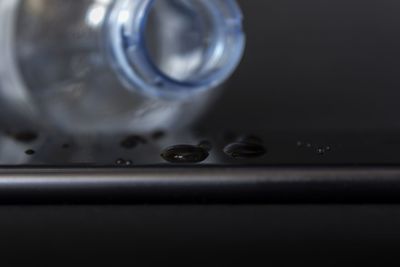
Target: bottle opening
181, 37
176, 46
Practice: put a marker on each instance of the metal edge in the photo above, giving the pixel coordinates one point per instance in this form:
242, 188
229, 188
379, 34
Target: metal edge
201, 185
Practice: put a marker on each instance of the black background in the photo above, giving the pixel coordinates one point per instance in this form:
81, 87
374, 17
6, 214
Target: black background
316, 65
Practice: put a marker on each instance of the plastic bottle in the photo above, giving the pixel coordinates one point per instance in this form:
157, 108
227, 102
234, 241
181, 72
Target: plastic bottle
115, 65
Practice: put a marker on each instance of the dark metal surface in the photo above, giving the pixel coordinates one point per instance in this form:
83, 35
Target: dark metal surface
202, 185
200, 236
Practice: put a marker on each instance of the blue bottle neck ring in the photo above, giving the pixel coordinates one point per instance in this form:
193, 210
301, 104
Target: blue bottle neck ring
173, 48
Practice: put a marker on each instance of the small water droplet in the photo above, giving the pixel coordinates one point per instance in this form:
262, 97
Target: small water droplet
141, 139
328, 148
123, 162
299, 144
24, 136
309, 145
30, 152
185, 154
245, 150
120, 162
320, 151
133, 141
206, 145
158, 135
66, 146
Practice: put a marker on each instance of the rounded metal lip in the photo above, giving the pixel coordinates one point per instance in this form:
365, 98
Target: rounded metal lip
274, 184
132, 62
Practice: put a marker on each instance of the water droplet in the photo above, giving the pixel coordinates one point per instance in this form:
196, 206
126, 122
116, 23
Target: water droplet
30, 152
300, 144
141, 139
158, 135
123, 162
185, 154
133, 141
24, 136
206, 145
66, 146
120, 162
245, 150
320, 151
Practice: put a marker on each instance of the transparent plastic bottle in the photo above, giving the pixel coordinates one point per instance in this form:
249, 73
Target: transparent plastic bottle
115, 65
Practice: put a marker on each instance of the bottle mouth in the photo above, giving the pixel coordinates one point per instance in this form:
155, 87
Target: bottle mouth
175, 47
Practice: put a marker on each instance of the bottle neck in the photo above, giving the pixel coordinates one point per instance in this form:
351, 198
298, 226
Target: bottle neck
173, 48
11, 86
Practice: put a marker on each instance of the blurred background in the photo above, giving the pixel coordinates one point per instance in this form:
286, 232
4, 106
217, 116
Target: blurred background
315, 65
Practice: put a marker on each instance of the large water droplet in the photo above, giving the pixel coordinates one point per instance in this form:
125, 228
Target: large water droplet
185, 154
243, 150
